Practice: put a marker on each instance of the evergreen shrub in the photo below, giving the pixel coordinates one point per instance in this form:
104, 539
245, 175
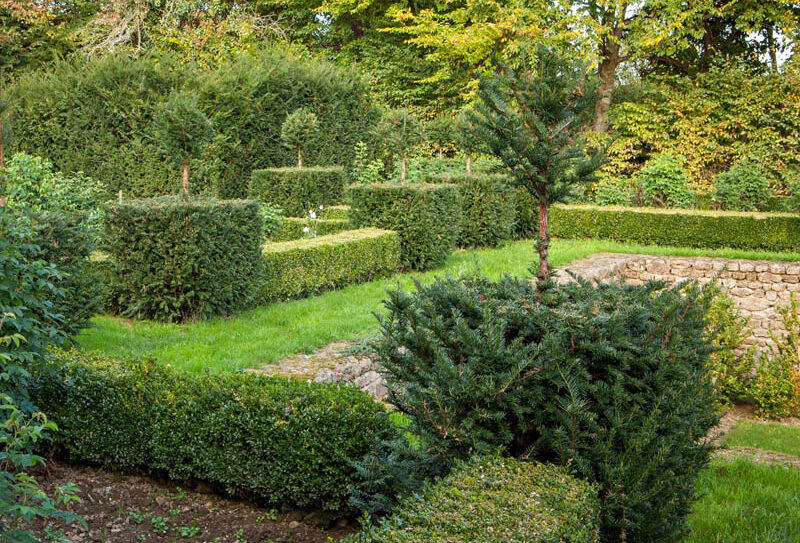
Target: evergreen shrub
277, 440
495, 499
426, 217
296, 190
293, 269
294, 228
610, 380
176, 259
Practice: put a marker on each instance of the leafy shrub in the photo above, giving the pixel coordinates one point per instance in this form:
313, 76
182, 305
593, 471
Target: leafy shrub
681, 228
488, 208
298, 228
365, 169
307, 266
742, 188
733, 364
341, 212
299, 130
176, 259
399, 131
664, 182
612, 380
273, 219
298, 190
495, 499
426, 217
274, 439
614, 194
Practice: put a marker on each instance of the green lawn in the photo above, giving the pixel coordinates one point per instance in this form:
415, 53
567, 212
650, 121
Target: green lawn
262, 335
768, 436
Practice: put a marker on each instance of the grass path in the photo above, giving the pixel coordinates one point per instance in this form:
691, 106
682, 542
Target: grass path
263, 335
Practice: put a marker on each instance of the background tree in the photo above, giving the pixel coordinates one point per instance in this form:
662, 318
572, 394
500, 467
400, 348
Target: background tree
532, 117
5, 136
298, 130
440, 132
468, 139
400, 131
184, 131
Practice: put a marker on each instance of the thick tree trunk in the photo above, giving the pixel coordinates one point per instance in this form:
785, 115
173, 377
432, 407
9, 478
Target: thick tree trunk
186, 179
469, 164
299, 159
403, 169
543, 245
607, 73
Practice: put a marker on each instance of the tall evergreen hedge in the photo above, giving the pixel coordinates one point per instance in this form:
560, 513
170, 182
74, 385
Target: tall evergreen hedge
96, 116
298, 191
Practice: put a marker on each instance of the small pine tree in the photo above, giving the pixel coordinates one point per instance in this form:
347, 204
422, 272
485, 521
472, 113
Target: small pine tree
441, 132
532, 117
468, 139
400, 131
299, 130
184, 130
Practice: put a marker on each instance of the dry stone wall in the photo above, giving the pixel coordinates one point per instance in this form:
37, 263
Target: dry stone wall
757, 287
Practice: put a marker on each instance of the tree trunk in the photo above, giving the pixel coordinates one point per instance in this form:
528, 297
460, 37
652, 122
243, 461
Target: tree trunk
469, 164
186, 179
773, 51
543, 245
403, 169
441, 152
299, 159
606, 72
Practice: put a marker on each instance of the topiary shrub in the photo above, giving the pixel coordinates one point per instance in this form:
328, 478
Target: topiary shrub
298, 228
296, 191
744, 187
664, 182
426, 217
308, 266
177, 259
611, 380
299, 130
494, 499
399, 131
272, 439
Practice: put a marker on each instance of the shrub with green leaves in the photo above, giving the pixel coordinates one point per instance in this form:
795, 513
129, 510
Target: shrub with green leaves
272, 439
441, 133
297, 191
744, 187
400, 132
293, 269
494, 499
426, 217
467, 137
298, 228
611, 380
177, 259
299, 130
664, 182
273, 218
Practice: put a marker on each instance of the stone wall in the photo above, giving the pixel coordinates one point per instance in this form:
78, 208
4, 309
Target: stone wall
757, 287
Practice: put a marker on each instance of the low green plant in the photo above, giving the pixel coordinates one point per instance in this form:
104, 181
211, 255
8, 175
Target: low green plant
298, 228
744, 187
664, 182
273, 219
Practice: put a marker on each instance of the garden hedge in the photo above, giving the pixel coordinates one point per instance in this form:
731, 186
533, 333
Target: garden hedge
293, 228
272, 439
175, 259
336, 212
426, 216
307, 266
298, 191
495, 499
683, 228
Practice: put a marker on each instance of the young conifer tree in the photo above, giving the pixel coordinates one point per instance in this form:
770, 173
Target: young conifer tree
441, 132
298, 130
468, 139
400, 131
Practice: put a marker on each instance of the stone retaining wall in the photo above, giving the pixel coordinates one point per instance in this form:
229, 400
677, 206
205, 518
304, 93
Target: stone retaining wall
757, 287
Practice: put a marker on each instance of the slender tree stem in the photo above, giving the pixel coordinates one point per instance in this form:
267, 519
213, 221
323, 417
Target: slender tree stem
186, 178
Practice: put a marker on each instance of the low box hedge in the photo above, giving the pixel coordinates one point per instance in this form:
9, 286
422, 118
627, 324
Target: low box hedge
276, 440
494, 499
684, 228
427, 218
297, 191
178, 259
336, 212
294, 228
307, 266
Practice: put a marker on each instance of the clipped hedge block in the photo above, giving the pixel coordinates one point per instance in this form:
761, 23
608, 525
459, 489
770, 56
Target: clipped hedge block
427, 218
303, 267
294, 228
495, 499
177, 259
282, 441
683, 228
336, 212
297, 191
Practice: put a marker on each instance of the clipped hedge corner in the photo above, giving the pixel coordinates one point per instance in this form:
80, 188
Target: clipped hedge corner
307, 266
294, 228
297, 191
495, 499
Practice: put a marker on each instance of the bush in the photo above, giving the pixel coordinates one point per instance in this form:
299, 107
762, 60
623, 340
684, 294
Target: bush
425, 216
336, 212
295, 228
298, 190
611, 380
742, 188
664, 182
299, 268
733, 364
527, 220
488, 208
177, 259
495, 499
278, 440
680, 228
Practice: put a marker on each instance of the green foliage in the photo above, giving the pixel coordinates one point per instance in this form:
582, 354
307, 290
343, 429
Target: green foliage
22, 501
341, 212
297, 190
277, 440
441, 132
664, 182
299, 130
273, 219
399, 131
495, 499
303, 267
615, 194
178, 259
298, 228
467, 136
612, 380
678, 228
527, 219
733, 363
182, 128
742, 188
426, 217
